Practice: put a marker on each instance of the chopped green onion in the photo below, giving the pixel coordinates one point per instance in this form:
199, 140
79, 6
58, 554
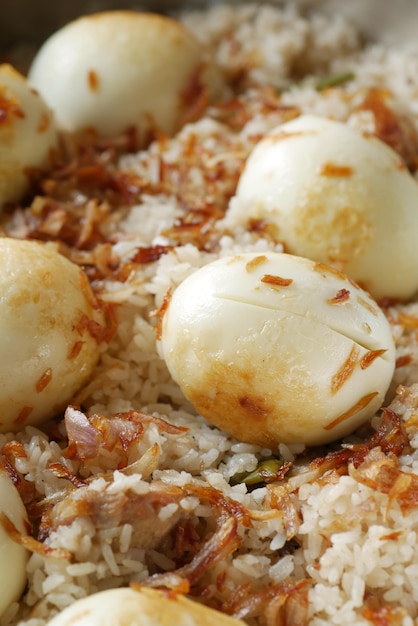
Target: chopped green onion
334, 80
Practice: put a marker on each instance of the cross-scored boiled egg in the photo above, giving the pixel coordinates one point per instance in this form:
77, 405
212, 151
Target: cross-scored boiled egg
142, 607
277, 348
51, 327
339, 197
13, 557
118, 69
27, 134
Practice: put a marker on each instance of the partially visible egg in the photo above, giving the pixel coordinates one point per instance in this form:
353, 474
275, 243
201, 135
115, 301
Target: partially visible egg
339, 197
51, 328
142, 607
28, 134
13, 556
118, 69
274, 348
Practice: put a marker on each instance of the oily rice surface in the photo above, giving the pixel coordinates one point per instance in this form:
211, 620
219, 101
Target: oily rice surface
159, 502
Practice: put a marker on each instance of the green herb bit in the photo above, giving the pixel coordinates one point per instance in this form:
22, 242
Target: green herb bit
267, 471
334, 80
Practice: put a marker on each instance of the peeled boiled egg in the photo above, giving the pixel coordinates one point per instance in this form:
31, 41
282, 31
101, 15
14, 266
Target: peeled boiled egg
27, 134
51, 327
119, 69
142, 607
13, 557
274, 348
339, 197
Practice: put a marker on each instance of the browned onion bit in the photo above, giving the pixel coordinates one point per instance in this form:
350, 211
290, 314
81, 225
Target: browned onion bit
395, 129
391, 438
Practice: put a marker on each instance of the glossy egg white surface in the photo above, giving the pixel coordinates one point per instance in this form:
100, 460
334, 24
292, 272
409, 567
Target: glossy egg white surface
27, 133
274, 348
142, 607
339, 197
114, 70
50, 325
13, 557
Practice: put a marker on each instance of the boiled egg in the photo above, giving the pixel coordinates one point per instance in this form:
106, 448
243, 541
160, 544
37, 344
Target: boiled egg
27, 134
13, 556
336, 196
274, 348
118, 69
142, 607
51, 328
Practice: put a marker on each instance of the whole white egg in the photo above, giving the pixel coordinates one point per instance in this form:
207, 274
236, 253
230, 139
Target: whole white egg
142, 607
51, 328
13, 557
339, 197
274, 348
28, 134
118, 69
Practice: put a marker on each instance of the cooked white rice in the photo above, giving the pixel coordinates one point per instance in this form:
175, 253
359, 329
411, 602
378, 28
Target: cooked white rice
356, 546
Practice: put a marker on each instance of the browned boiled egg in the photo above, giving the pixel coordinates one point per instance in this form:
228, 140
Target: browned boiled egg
118, 69
142, 607
28, 134
13, 557
276, 348
51, 327
337, 196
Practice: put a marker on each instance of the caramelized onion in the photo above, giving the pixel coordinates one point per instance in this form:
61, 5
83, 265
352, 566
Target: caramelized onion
222, 543
87, 436
82, 436
381, 472
391, 437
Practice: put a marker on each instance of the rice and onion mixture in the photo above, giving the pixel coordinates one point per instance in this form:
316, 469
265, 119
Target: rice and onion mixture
131, 486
